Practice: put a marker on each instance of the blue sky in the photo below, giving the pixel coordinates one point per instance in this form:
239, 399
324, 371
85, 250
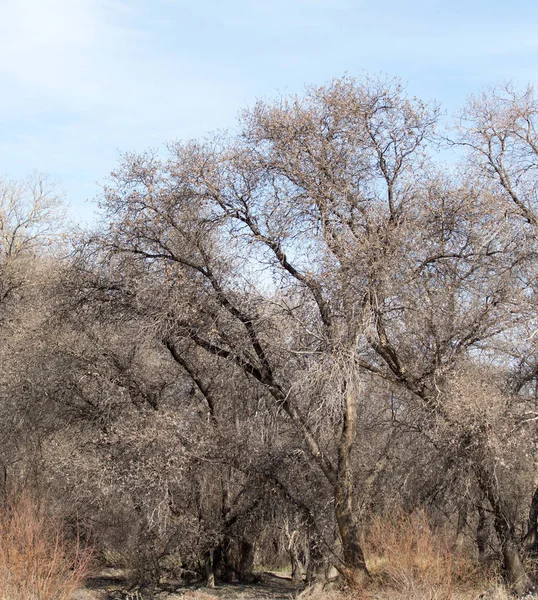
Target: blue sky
85, 79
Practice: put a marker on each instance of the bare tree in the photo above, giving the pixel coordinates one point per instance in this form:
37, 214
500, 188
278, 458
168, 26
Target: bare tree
32, 218
498, 129
311, 187
276, 334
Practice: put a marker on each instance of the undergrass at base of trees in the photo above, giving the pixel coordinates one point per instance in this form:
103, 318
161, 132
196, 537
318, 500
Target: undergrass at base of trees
36, 560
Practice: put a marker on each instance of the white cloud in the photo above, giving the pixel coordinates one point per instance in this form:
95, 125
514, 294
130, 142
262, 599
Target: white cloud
61, 49
100, 61
81, 78
29, 25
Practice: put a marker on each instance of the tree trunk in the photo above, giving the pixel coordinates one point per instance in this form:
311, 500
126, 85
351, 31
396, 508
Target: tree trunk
209, 572
482, 533
513, 565
354, 568
310, 572
531, 538
246, 561
315, 561
460, 531
515, 572
297, 569
354, 565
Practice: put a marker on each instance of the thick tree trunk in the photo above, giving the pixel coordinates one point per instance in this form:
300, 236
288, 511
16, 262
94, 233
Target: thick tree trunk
531, 538
297, 569
314, 563
354, 569
482, 533
460, 530
354, 565
310, 573
246, 561
515, 572
209, 572
513, 565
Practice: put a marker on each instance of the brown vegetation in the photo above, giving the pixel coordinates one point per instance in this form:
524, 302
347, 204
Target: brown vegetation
37, 561
310, 342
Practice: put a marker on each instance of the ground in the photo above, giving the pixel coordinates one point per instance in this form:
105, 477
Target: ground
111, 585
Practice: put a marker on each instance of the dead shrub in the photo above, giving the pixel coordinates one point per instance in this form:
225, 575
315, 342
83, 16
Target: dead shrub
405, 553
36, 561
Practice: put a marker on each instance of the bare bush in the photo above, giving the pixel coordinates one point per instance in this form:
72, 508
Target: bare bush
406, 553
37, 562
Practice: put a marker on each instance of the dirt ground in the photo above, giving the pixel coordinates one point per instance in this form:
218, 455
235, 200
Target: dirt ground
111, 585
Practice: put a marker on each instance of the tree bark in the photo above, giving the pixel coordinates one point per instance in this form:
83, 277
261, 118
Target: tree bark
246, 561
314, 562
531, 538
481, 533
354, 567
460, 531
515, 572
209, 572
297, 569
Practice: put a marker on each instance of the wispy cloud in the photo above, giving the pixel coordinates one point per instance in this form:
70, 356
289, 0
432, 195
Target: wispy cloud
64, 49
82, 78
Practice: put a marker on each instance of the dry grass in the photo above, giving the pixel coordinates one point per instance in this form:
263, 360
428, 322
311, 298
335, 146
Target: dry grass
411, 560
197, 595
36, 562
407, 555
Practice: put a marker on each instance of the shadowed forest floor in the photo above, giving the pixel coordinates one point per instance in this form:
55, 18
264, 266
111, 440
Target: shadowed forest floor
112, 585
